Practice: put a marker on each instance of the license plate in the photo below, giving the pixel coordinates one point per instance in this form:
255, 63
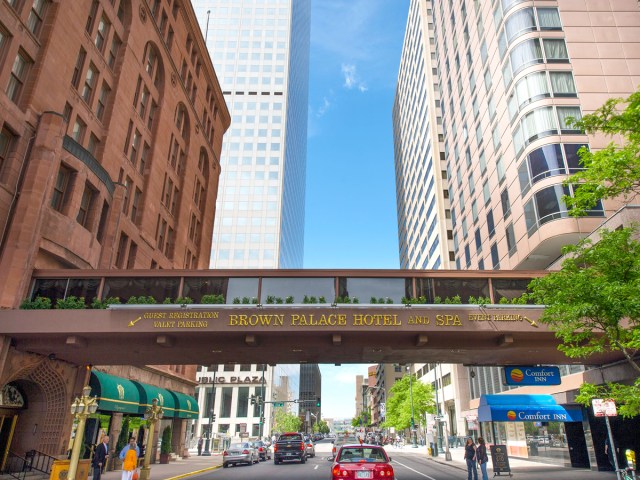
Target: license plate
365, 474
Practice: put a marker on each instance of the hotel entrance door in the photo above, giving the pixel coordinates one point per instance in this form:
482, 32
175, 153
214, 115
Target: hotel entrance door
7, 427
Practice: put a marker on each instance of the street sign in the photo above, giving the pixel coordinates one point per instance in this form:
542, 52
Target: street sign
383, 409
604, 408
278, 404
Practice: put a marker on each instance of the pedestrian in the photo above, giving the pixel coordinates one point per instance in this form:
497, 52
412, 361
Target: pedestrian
483, 459
609, 453
470, 457
200, 442
100, 455
129, 455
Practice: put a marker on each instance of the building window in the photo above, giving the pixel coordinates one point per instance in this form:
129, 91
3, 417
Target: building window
18, 76
506, 205
113, 51
79, 129
85, 205
102, 100
102, 33
6, 143
135, 205
93, 13
495, 259
36, 16
77, 70
93, 145
511, 239
89, 83
135, 146
122, 249
60, 188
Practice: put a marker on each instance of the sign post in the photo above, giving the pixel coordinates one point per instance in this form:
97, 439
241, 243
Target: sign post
606, 409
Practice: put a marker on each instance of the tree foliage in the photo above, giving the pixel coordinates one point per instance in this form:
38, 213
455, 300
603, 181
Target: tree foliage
361, 420
593, 306
613, 171
285, 421
398, 414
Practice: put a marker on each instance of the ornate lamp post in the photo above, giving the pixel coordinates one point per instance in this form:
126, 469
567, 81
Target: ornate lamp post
152, 415
81, 408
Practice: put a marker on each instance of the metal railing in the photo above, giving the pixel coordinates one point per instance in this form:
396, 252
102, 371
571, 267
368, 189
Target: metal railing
33, 460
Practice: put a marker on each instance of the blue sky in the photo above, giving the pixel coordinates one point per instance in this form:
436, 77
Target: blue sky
350, 202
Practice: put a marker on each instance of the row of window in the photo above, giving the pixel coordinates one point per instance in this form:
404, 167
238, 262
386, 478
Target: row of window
538, 85
525, 21
545, 121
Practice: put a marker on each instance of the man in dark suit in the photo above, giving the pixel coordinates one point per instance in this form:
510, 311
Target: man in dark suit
100, 455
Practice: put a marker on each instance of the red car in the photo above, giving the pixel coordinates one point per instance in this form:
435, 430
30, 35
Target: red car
355, 461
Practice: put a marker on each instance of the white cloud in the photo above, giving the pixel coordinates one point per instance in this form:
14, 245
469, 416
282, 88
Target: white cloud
351, 79
326, 105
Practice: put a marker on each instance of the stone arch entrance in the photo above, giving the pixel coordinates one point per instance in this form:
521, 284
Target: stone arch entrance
43, 385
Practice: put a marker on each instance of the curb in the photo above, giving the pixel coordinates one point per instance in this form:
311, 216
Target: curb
448, 464
195, 472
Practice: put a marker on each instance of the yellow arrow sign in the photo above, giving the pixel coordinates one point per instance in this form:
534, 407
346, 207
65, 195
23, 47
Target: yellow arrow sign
532, 322
132, 323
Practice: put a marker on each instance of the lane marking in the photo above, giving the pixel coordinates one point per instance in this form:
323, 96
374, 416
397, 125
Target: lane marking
413, 470
316, 467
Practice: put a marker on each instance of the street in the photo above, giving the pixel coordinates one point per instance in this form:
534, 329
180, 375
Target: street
408, 464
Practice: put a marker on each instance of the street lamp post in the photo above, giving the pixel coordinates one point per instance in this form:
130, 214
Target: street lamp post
81, 408
212, 400
152, 415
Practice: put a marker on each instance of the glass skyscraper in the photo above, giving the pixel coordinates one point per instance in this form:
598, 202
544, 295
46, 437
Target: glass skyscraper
260, 50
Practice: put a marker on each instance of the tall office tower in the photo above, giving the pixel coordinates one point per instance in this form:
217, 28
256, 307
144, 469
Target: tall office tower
424, 219
262, 53
310, 393
108, 160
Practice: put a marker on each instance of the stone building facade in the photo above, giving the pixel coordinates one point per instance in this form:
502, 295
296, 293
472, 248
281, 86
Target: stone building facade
111, 127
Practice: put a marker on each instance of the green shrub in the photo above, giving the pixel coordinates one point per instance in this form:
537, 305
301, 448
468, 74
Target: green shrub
236, 301
289, 300
212, 299
38, 303
165, 447
98, 304
321, 300
246, 300
71, 303
184, 301
271, 299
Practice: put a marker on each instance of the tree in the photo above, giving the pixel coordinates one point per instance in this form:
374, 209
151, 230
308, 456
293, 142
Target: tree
286, 422
323, 427
361, 420
399, 402
593, 306
613, 171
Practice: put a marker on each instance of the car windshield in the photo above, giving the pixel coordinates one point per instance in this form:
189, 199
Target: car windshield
365, 454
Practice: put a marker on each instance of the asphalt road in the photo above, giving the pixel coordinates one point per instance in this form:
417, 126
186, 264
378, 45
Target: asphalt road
406, 467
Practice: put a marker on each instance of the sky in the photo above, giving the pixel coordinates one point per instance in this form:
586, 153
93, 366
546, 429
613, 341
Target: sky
350, 219
350, 198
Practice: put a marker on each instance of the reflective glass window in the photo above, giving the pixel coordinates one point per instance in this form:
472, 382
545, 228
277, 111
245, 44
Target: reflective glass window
546, 161
298, 288
365, 288
509, 288
549, 203
125, 288
450, 287
572, 157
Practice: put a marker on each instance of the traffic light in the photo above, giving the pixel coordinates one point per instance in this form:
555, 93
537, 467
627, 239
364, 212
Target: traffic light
213, 417
318, 402
253, 399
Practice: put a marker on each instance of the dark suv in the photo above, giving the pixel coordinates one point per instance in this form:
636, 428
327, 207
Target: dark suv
290, 446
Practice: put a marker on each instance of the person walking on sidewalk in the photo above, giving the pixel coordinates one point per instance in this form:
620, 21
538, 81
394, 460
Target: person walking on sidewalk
200, 443
129, 455
470, 457
100, 455
483, 459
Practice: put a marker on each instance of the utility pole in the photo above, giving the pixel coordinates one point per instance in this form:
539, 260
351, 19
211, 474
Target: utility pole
212, 400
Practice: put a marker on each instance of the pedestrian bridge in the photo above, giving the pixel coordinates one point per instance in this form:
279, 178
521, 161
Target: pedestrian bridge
285, 317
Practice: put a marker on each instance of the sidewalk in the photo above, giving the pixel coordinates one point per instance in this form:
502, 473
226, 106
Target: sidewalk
524, 469
176, 469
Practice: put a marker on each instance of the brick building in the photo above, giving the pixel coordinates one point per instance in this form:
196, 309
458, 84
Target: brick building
112, 121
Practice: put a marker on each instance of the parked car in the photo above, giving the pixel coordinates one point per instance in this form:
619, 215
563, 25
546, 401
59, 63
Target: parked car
243, 452
264, 450
361, 461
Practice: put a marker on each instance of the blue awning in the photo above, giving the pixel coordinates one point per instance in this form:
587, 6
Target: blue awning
525, 408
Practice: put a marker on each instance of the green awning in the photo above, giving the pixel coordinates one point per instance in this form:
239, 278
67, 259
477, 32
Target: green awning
165, 399
186, 405
115, 394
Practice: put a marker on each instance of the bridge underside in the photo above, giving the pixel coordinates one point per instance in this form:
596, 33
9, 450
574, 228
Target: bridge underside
159, 335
